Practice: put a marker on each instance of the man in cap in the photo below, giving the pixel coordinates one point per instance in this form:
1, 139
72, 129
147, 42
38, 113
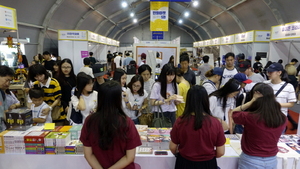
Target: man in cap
245, 67
99, 70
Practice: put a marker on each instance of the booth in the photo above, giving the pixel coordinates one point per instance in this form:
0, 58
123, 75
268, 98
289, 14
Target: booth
76, 45
252, 43
285, 42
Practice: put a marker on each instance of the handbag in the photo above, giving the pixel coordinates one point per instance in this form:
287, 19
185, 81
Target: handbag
159, 120
146, 118
56, 112
73, 115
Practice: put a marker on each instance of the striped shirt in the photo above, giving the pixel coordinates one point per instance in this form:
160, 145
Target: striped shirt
52, 91
287, 95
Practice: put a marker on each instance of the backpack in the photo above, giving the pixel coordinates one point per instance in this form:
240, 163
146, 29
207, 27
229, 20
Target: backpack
131, 68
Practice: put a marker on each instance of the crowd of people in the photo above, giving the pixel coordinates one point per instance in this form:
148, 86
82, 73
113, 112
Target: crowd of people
232, 98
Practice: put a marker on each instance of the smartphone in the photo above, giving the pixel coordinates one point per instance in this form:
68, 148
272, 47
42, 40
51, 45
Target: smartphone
161, 153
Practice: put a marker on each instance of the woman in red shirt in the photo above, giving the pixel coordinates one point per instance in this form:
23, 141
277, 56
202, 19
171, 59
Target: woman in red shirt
197, 138
109, 136
263, 124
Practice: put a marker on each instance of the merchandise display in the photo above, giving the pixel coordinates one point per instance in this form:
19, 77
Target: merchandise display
63, 140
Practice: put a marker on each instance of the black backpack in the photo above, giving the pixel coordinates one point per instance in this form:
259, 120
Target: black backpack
131, 68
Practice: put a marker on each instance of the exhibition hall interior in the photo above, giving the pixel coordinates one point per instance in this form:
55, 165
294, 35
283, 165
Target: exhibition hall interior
150, 84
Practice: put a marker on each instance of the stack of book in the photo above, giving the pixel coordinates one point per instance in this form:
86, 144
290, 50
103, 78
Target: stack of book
55, 142
14, 142
75, 132
70, 148
143, 130
34, 142
79, 148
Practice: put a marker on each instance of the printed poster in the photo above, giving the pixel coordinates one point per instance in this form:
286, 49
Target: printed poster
159, 15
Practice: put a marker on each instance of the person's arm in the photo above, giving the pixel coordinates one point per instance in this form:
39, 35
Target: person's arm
248, 104
39, 120
287, 104
46, 111
14, 106
145, 104
220, 151
81, 104
125, 160
90, 158
173, 147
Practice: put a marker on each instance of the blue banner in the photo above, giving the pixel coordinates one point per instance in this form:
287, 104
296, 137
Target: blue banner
157, 35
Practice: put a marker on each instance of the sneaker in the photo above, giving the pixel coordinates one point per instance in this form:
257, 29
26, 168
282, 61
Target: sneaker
298, 102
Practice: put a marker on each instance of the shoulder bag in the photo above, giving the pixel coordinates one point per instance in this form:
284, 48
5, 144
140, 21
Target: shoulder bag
159, 120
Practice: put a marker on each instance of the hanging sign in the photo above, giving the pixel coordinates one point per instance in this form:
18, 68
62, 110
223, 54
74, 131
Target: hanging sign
72, 35
102, 39
157, 35
200, 43
8, 18
287, 31
159, 15
195, 44
207, 42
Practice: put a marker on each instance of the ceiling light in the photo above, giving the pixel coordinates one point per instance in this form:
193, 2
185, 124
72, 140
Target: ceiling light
124, 4
131, 14
180, 21
186, 14
134, 20
195, 3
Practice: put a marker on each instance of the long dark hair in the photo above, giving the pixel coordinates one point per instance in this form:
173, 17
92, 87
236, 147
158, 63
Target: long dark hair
61, 75
118, 74
231, 86
267, 108
197, 102
82, 80
109, 121
135, 79
168, 69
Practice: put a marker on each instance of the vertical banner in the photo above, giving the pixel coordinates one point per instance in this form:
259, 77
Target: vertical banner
159, 15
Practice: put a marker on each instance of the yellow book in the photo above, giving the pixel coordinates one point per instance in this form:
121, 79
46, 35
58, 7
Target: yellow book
2, 146
65, 128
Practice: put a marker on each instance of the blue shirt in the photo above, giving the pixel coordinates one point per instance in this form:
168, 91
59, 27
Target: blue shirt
127, 60
190, 77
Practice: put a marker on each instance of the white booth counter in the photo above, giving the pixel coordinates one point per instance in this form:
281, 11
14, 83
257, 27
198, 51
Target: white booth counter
146, 161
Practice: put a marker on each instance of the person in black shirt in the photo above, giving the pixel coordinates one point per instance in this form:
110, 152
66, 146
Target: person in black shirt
48, 63
257, 66
188, 75
67, 81
93, 60
99, 70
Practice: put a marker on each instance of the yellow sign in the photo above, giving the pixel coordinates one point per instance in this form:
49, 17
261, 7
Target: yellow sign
8, 18
159, 16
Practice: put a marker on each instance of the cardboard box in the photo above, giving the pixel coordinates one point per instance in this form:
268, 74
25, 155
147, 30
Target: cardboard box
19, 119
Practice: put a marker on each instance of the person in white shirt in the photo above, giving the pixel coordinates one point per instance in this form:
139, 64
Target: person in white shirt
222, 101
143, 59
229, 70
278, 77
36, 95
119, 60
135, 98
212, 82
86, 68
158, 63
84, 98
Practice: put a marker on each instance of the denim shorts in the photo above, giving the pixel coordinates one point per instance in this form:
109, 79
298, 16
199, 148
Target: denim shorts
254, 162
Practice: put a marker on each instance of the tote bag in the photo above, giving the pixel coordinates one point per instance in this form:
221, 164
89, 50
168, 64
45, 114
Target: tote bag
160, 120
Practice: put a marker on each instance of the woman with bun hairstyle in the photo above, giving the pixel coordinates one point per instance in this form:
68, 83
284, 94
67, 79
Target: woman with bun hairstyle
213, 79
263, 125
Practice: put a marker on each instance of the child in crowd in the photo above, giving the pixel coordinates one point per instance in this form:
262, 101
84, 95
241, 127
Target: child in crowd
84, 98
36, 95
136, 98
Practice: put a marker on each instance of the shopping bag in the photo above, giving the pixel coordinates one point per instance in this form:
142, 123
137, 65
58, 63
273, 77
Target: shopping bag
56, 112
146, 118
73, 115
159, 120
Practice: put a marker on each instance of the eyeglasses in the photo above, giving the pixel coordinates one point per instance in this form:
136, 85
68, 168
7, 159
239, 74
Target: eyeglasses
66, 67
136, 86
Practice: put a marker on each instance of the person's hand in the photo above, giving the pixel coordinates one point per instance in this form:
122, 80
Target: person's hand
256, 95
45, 111
13, 106
66, 109
135, 107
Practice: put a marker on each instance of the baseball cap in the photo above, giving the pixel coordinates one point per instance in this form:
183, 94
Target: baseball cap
275, 67
241, 77
218, 71
257, 58
244, 65
99, 69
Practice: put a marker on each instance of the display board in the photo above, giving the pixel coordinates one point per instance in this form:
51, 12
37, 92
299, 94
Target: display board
165, 53
287, 31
